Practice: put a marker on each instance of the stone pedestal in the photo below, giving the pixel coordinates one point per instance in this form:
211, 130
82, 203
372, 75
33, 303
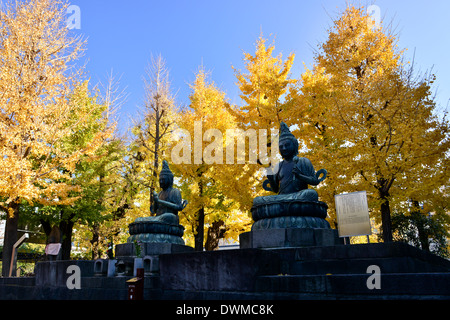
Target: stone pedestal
289, 237
154, 231
150, 251
150, 248
105, 267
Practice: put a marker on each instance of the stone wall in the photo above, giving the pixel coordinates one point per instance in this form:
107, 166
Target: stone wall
320, 272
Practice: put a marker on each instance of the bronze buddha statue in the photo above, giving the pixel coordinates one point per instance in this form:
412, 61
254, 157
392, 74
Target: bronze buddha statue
164, 226
294, 205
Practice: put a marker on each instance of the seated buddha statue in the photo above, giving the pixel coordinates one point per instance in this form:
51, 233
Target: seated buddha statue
168, 202
294, 174
290, 181
164, 225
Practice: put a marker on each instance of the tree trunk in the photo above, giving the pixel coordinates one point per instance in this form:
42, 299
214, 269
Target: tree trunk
10, 238
383, 186
420, 222
47, 228
198, 239
215, 232
386, 217
423, 234
156, 158
66, 227
94, 242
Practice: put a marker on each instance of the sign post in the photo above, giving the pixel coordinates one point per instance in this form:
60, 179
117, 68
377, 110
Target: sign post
14, 254
352, 214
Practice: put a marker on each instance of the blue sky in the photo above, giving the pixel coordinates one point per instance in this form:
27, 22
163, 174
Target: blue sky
122, 35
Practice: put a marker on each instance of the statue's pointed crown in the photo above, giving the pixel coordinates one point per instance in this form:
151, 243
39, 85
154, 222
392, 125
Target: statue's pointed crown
285, 133
165, 168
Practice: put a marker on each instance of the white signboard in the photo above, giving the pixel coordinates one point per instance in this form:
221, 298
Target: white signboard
352, 214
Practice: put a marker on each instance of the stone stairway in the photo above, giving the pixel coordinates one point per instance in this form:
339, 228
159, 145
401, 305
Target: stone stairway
342, 272
310, 273
350, 259
322, 272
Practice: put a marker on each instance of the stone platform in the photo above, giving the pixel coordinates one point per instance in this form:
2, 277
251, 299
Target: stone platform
308, 273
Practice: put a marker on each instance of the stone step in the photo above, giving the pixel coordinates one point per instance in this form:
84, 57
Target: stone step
394, 257
364, 250
423, 285
349, 266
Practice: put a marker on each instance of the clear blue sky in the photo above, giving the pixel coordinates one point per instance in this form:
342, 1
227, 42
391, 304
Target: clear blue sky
122, 35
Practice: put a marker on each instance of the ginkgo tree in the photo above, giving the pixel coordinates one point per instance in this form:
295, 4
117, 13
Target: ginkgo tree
263, 86
91, 173
369, 120
209, 183
152, 133
37, 76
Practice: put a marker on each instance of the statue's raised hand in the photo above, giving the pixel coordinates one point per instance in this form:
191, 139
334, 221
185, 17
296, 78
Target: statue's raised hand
155, 197
322, 172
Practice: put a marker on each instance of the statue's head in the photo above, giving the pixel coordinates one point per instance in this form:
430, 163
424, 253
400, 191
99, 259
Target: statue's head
288, 144
165, 176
